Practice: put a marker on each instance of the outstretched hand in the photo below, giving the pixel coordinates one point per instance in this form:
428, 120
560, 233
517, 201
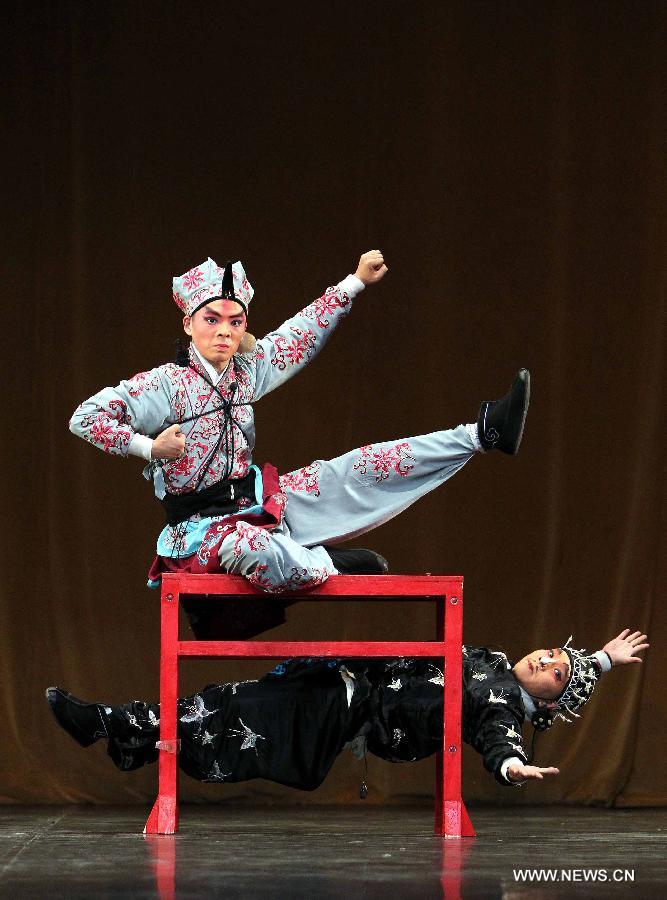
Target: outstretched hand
622, 649
170, 444
518, 773
371, 267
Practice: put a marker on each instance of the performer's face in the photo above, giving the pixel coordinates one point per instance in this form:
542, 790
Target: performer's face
217, 330
543, 673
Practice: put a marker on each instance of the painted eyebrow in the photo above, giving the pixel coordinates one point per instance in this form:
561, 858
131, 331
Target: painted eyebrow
211, 312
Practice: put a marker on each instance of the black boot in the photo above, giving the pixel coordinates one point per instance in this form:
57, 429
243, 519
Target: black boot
500, 422
86, 722
358, 562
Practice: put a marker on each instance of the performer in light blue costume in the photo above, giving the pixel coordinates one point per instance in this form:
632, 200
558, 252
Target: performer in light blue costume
193, 422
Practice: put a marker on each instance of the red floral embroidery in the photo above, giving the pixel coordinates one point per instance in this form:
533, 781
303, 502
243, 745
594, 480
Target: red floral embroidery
180, 468
118, 410
259, 579
383, 459
193, 278
144, 381
199, 448
104, 427
102, 434
208, 427
241, 465
256, 538
306, 480
290, 353
301, 578
326, 306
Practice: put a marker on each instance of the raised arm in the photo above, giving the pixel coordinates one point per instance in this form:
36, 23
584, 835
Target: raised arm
285, 351
623, 649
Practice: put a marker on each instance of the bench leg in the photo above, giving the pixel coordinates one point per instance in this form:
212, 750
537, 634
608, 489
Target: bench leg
451, 817
163, 818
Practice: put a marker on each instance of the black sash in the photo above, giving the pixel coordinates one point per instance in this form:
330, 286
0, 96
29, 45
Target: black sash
220, 499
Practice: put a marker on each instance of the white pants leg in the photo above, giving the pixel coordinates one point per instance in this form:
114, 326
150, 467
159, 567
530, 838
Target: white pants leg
333, 500
341, 498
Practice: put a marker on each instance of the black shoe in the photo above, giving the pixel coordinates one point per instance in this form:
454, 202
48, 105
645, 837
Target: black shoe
358, 562
86, 722
500, 422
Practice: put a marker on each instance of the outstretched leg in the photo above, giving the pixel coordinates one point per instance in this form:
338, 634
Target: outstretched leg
341, 498
288, 727
337, 499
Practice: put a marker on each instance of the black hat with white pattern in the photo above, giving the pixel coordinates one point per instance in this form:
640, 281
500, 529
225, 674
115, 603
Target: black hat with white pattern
584, 673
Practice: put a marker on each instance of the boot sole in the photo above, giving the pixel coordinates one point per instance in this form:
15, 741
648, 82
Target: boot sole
526, 404
504, 446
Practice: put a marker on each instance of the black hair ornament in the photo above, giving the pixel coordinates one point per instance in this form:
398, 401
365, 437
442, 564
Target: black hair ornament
182, 356
541, 720
227, 287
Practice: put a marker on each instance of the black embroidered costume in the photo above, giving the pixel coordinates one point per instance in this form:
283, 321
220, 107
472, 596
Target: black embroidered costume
290, 725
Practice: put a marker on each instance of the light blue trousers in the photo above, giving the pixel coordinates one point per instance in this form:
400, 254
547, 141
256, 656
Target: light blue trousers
332, 500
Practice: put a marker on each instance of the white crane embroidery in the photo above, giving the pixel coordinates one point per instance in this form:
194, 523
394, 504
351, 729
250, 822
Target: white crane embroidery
501, 658
397, 737
196, 711
510, 732
250, 738
439, 678
498, 699
216, 775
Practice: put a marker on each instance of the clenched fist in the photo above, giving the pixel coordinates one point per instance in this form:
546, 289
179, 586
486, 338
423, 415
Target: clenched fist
371, 267
170, 444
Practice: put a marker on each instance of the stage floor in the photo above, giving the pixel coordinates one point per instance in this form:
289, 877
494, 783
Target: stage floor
334, 852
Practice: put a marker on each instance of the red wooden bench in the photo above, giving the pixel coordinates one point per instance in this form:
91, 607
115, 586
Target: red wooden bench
451, 817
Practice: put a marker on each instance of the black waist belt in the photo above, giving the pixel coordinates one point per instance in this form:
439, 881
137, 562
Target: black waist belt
220, 499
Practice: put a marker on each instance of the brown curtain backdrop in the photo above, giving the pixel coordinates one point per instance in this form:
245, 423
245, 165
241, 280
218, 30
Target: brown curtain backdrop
509, 159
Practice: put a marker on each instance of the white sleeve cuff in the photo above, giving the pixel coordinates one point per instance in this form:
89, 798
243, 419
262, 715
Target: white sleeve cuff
140, 445
351, 285
603, 659
505, 766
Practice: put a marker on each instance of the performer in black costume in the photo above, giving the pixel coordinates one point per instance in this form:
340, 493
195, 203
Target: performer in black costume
290, 725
